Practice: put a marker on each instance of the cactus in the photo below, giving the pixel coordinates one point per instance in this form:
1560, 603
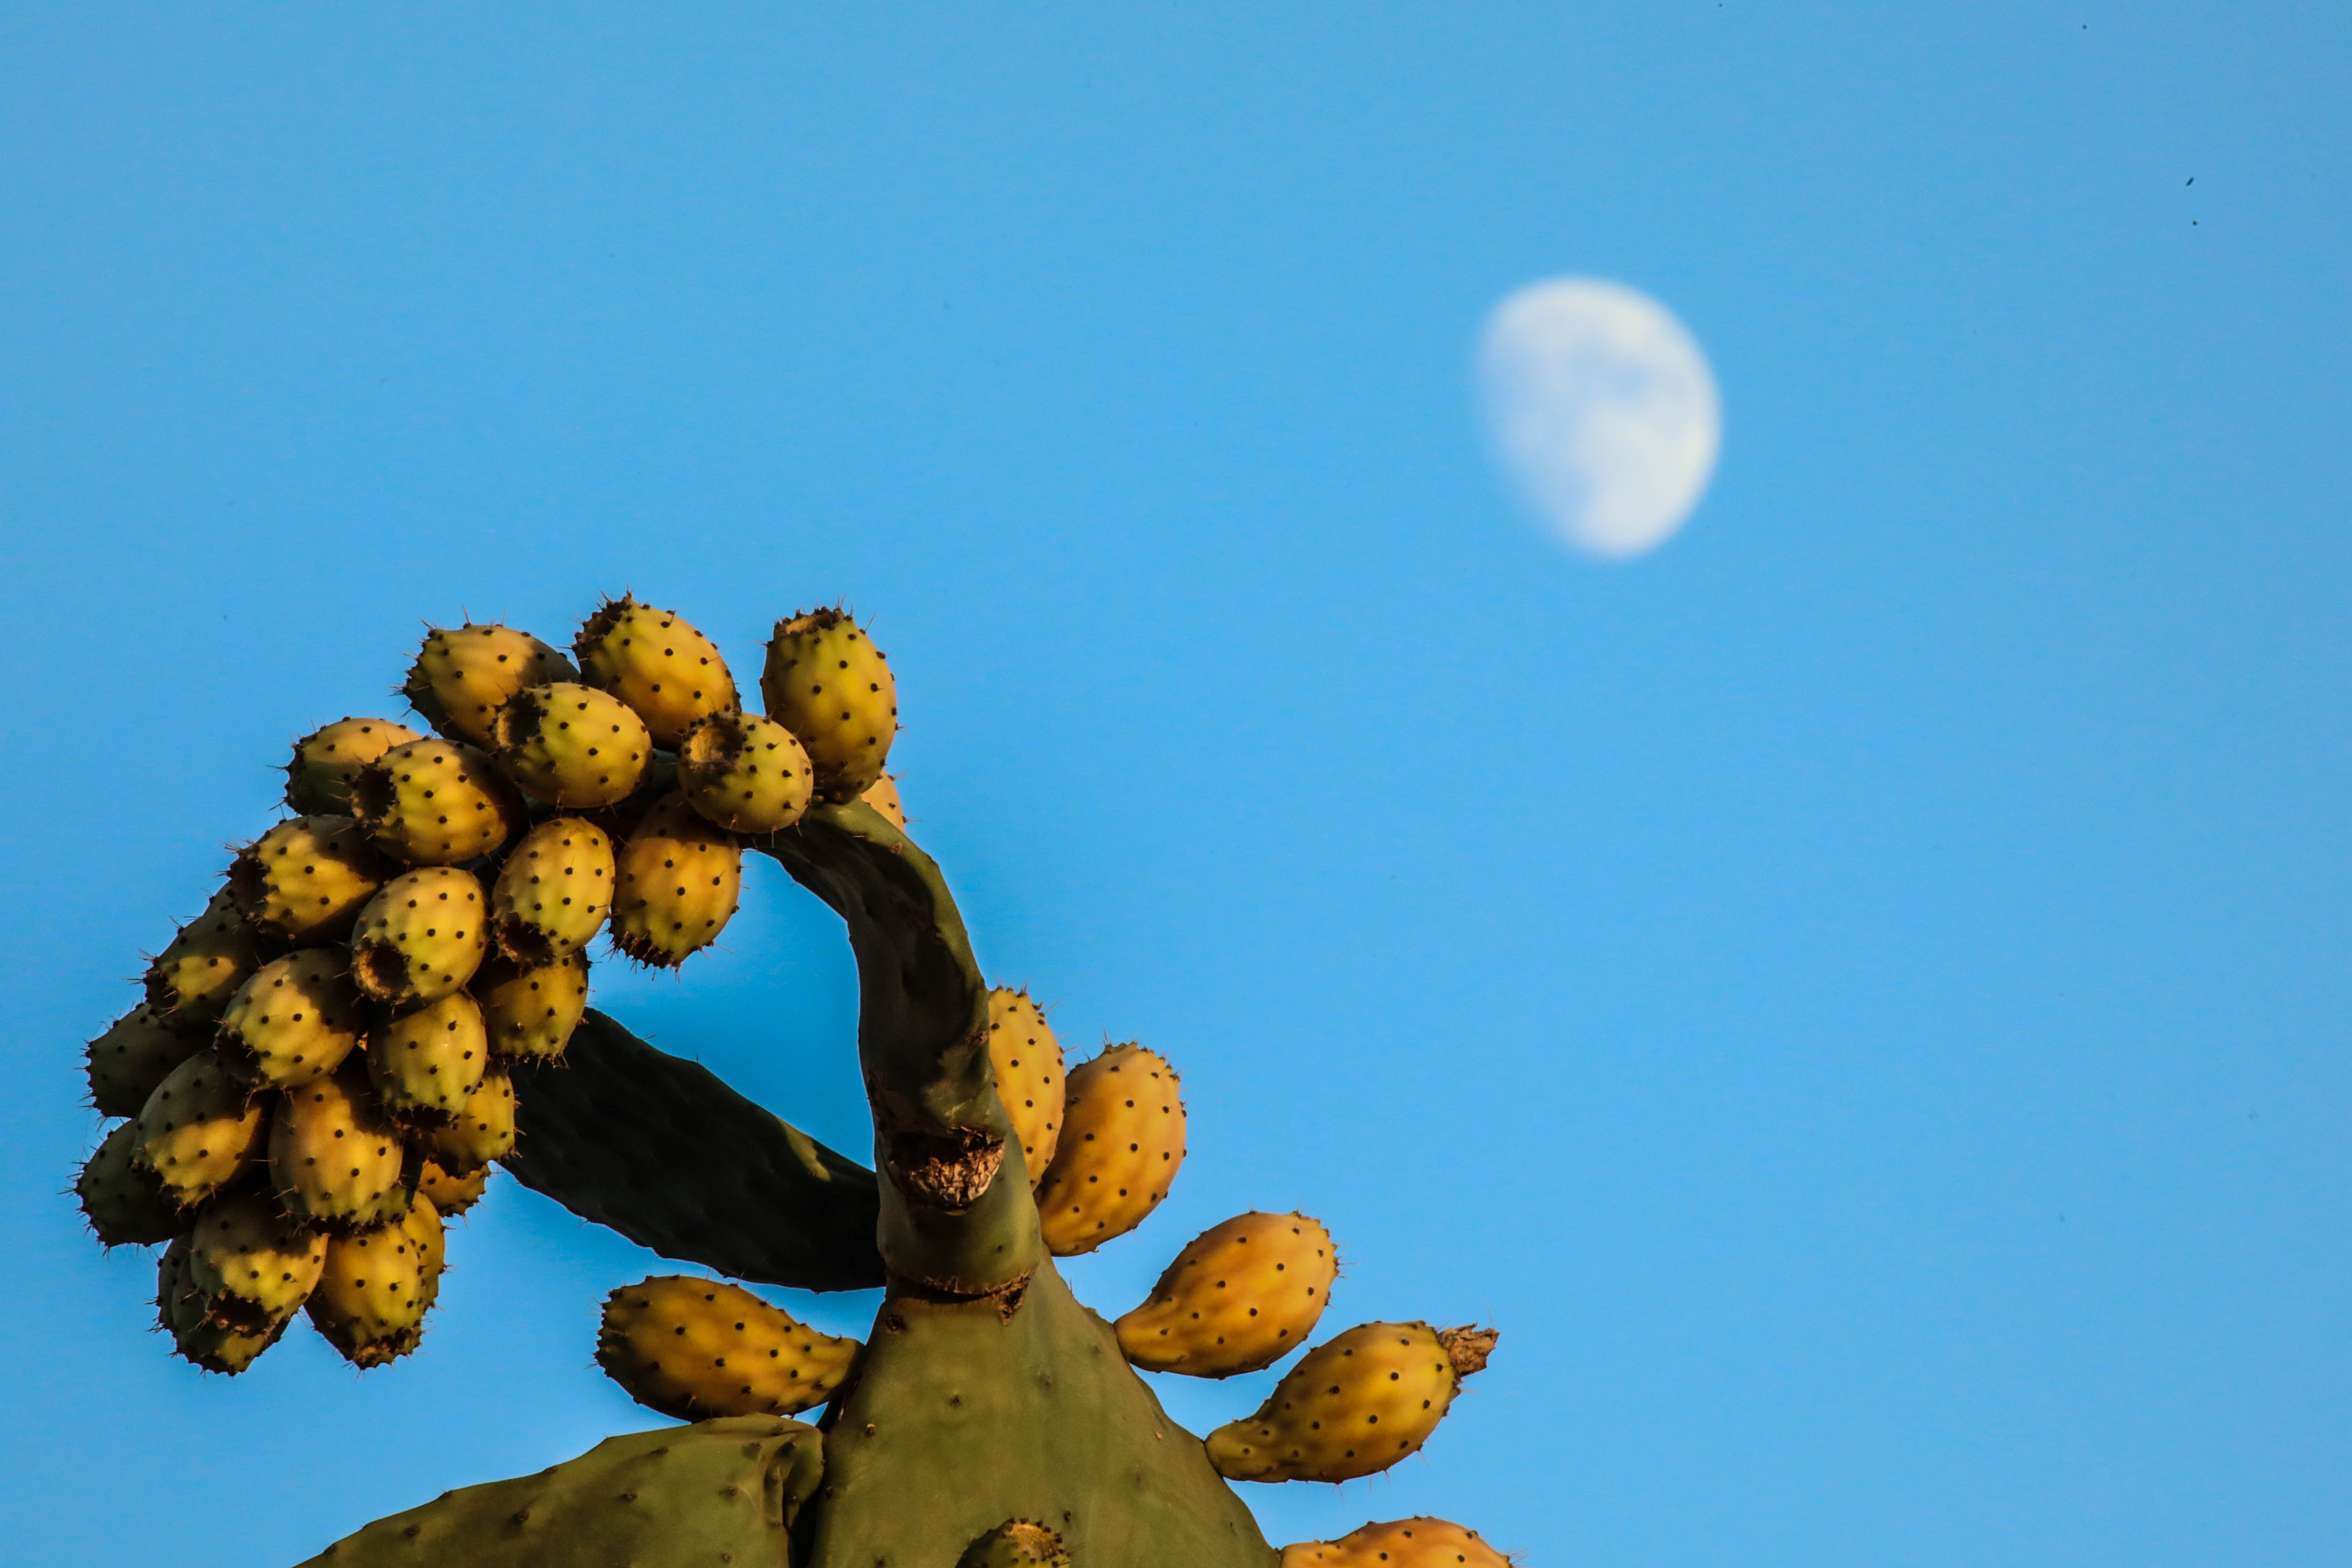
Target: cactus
827, 683
435, 802
181, 1312
1122, 1143
1400, 1543
422, 937
462, 675
424, 1065
483, 1129
450, 1194
192, 979
1354, 1406
372, 1294
530, 1013
675, 886
136, 1052
302, 883
326, 761
1027, 1061
699, 1348
1241, 1296
571, 745
744, 772
251, 1264
336, 1159
198, 1131
125, 1205
295, 1020
553, 892
651, 661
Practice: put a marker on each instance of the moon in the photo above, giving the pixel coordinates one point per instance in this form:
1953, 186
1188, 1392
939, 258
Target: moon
1602, 412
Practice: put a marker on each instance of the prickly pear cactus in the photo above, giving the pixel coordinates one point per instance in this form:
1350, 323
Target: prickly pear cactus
388, 1002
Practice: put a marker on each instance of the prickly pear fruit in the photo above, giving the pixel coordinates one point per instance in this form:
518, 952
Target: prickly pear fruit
882, 794
658, 664
179, 1311
421, 938
197, 1130
422, 1223
1122, 1143
193, 979
295, 1020
302, 883
571, 745
1016, 1543
553, 892
318, 779
484, 1130
696, 1349
1400, 1543
462, 675
425, 1062
747, 773
677, 882
136, 1052
1355, 1405
1028, 1062
252, 1266
435, 802
451, 1195
334, 1156
530, 1013
370, 1303
125, 1205
1242, 1295
827, 683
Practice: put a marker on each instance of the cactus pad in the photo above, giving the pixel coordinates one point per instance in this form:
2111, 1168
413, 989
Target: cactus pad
303, 881
1400, 1543
1355, 1405
747, 773
674, 887
655, 662
335, 1158
1028, 1064
462, 676
422, 937
553, 892
424, 1064
1122, 1145
134, 1055
1241, 1296
197, 1131
295, 1020
827, 683
192, 980
700, 1348
571, 745
435, 802
125, 1205
530, 1013
326, 761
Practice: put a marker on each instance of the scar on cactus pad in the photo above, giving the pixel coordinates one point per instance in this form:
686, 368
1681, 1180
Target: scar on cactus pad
387, 1000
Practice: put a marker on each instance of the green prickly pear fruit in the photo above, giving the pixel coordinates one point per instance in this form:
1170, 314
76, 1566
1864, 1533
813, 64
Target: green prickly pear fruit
179, 1311
136, 1052
1016, 1543
326, 761
747, 773
1122, 1145
435, 802
250, 1264
571, 745
125, 1205
553, 892
1399, 1543
658, 664
827, 683
675, 885
335, 1158
1028, 1063
197, 1131
422, 1223
302, 883
425, 1063
451, 1195
295, 1020
882, 794
484, 1130
1354, 1406
696, 1349
421, 938
371, 1299
1241, 1296
531, 1012
192, 980
462, 676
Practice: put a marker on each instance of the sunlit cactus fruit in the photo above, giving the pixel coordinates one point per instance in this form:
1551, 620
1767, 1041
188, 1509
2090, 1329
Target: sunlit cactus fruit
426, 1234
425, 1063
302, 883
1016, 1543
1399, 1543
530, 1012
484, 1130
326, 761
295, 1020
1355, 1405
372, 1294
251, 1263
745, 773
1027, 1060
335, 1158
696, 1349
136, 1052
1241, 1296
192, 980
451, 1195
198, 1129
1122, 1142
882, 794
181, 1312
436, 802
463, 674
421, 938
125, 1205
827, 683
554, 891
675, 885
571, 745
659, 664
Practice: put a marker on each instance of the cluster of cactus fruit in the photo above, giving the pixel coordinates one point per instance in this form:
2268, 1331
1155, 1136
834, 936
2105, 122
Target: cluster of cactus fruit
387, 997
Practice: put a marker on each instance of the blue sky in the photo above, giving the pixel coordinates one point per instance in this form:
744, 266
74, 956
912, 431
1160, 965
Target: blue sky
1855, 996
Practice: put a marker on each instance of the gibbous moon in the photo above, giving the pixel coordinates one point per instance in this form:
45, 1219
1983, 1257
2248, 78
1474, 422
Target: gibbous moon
1602, 411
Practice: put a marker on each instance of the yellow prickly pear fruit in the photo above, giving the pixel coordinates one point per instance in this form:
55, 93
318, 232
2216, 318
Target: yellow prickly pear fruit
250, 1264
675, 885
424, 1064
435, 802
295, 1020
371, 1299
1355, 1405
531, 1012
1122, 1143
553, 892
462, 676
451, 1195
1400, 1543
421, 938
136, 1052
1242, 1295
326, 761
180, 1311
655, 662
696, 1349
571, 745
193, 979
882, 794
1016, 1543
422, 1223
747, 773
335, 1158
1028, 1062
302, 883
827, 683
125, 1205
197, 1130
484, 1130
